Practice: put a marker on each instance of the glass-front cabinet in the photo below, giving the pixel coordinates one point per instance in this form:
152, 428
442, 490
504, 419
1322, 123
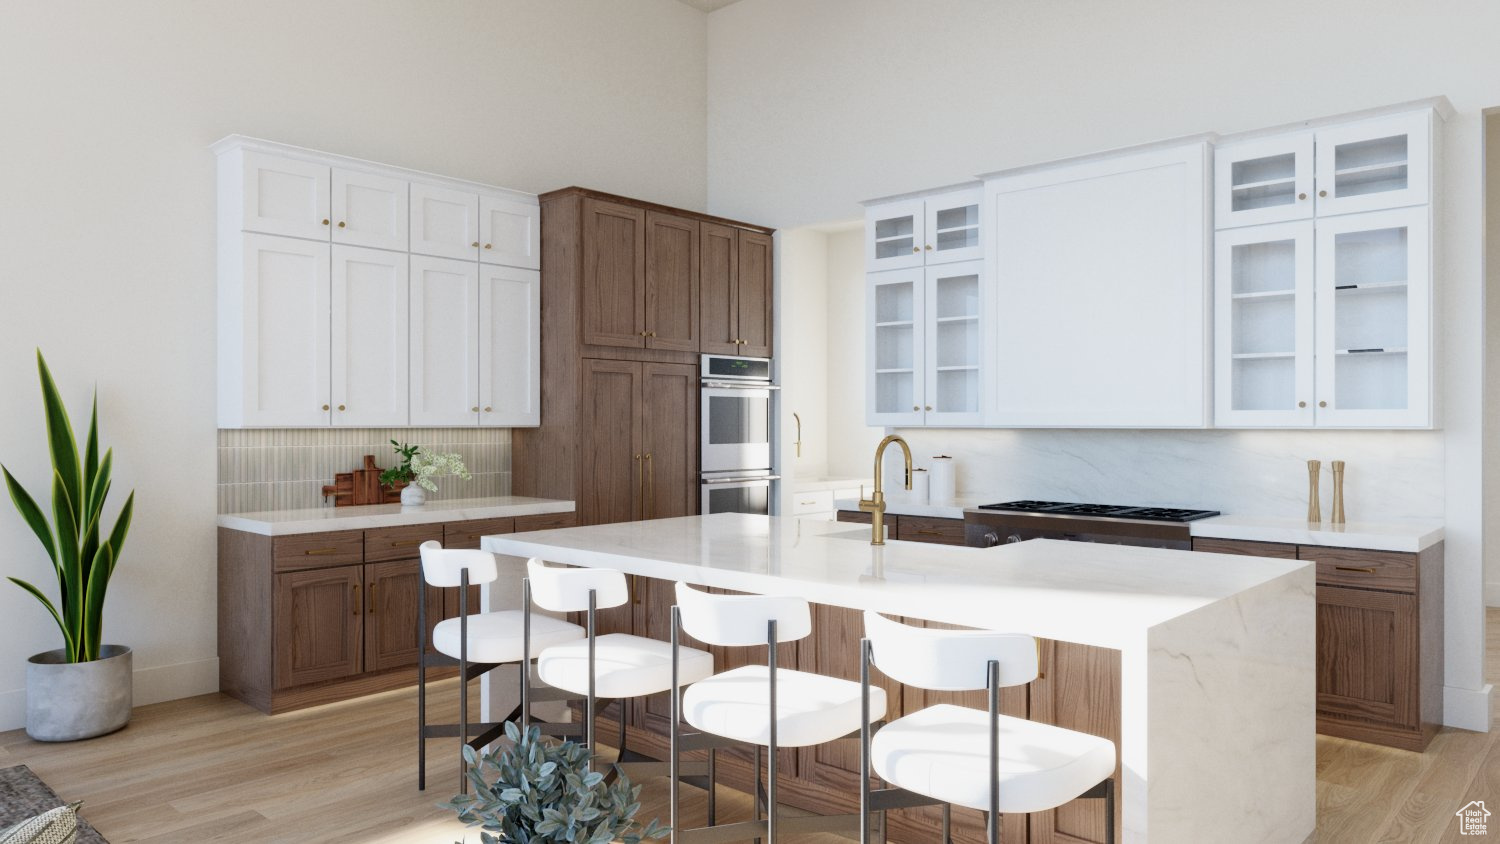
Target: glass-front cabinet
913, 231
1263, 280
1373, 323
1266, 180
925, 341
1375, 164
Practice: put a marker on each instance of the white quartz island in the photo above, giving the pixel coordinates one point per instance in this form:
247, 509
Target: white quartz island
1216, 651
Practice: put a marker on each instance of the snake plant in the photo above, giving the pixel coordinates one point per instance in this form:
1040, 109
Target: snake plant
84, 558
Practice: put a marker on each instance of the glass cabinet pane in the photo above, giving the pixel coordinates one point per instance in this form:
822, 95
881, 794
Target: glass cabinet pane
1370, 319
1376, 165
895, 236
957, 228
954, 346
1263, 182
1265, 324
896, 338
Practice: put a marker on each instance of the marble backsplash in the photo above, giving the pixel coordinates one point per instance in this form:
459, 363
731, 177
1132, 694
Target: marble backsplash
285, 469
1389, 475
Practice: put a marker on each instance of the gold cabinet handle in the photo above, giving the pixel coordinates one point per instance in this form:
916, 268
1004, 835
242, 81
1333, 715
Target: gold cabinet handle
474, 409
1360, 569
916, 407
341, 223
929, 247
487, 246
403, 543
1322, 194
807, 503
650, 486
916, 249
926, 532
325, 407
372, 602
927, 407
640, 482
650, 333
487, 409
341, 407
635, 589
325, 222
1301, 196
475, 244
320, 552
1322, 404
354, 600
1302, 404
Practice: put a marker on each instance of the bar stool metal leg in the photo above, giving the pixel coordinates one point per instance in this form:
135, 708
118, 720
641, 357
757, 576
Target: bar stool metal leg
588, 706
463, 681
422, 684
771, 807
675, 729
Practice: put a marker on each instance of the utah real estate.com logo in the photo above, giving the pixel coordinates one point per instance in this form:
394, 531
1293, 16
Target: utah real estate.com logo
1473, 819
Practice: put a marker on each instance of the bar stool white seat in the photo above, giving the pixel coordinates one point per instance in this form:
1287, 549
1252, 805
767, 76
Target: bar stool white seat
956, 755
615, 666
476, 643
767, 707
810, 708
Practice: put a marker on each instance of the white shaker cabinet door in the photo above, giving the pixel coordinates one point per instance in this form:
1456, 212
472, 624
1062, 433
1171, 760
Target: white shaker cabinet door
894, 235
953, 344
951, 228
284, 342
1375, 164
444, 341
369, 346
510, 232
510, 370
444, 222
894, 348
369, 210
285, 196
1264, 180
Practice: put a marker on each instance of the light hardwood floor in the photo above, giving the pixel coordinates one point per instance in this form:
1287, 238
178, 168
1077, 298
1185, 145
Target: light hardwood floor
210, 769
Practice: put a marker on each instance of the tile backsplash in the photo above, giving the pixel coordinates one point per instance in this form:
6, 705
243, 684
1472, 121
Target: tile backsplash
285, 469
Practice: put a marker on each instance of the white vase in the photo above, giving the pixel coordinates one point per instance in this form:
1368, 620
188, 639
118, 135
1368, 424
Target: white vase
413, 496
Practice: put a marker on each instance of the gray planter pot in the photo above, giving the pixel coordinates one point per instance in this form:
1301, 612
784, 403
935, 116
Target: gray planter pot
67, 701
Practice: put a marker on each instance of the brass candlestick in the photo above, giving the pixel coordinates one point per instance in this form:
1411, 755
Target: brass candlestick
1338, 492
1314, 508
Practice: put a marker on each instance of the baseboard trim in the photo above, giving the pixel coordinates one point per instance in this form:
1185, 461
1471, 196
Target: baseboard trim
150, 685
1467, 709
1492, 593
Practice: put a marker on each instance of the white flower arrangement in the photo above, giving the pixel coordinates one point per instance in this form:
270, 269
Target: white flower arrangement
428, 465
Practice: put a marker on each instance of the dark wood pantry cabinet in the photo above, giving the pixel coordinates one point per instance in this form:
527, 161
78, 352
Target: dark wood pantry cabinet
632, 293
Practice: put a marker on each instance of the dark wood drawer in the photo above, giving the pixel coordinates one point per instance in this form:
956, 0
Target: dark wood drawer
927, 529
1279, 550
399, 543
546, 521
467, 534
317, 550
1391, 571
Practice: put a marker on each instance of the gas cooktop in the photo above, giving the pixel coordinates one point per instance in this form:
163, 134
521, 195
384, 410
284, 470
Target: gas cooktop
1113, 511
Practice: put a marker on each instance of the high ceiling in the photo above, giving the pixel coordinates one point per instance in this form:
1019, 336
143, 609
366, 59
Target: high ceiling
708, 5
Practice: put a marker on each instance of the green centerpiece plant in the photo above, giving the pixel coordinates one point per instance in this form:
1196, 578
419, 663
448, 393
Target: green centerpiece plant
535, 792
419, 468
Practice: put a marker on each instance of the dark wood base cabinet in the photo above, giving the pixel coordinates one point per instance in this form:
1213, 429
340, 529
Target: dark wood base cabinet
1380, 639
313, 618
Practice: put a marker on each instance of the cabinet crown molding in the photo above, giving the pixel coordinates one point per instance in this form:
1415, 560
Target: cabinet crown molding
232, 143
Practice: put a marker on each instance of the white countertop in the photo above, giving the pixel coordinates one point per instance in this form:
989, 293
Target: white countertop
897, 504
1104, 595
321, 519
1410, 537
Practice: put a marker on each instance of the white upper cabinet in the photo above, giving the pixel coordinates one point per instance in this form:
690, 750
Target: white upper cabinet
369, 341
369, 210
1375, 164
937, 228
444, 341
1100, 292
444, 222
274, 333
1265, 180
1263, 284
509, 232
510, 366
895, 347
359, 295
951, 229
1374, 345
953, 355
282, 195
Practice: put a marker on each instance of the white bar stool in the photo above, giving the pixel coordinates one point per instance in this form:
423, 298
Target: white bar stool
476, 643
758, 705
938, 754
615, 666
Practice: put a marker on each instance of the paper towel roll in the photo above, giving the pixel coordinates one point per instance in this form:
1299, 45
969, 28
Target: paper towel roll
942, 482
919, 486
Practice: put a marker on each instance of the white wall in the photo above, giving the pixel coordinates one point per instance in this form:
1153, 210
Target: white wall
107, 219
851, 444
815, 106
803, 350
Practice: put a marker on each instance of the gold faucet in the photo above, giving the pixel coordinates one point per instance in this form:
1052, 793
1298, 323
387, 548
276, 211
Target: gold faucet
875, 504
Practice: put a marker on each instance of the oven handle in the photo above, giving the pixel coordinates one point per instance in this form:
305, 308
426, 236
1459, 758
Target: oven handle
710, 481
739, 385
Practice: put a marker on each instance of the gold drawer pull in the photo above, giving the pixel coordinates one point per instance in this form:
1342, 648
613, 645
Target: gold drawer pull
372, 599
805, 503
320, 552
404, 543
354, 600
1362, 569
925, 532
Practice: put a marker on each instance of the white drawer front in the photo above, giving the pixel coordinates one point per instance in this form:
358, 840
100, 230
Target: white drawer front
812, 502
